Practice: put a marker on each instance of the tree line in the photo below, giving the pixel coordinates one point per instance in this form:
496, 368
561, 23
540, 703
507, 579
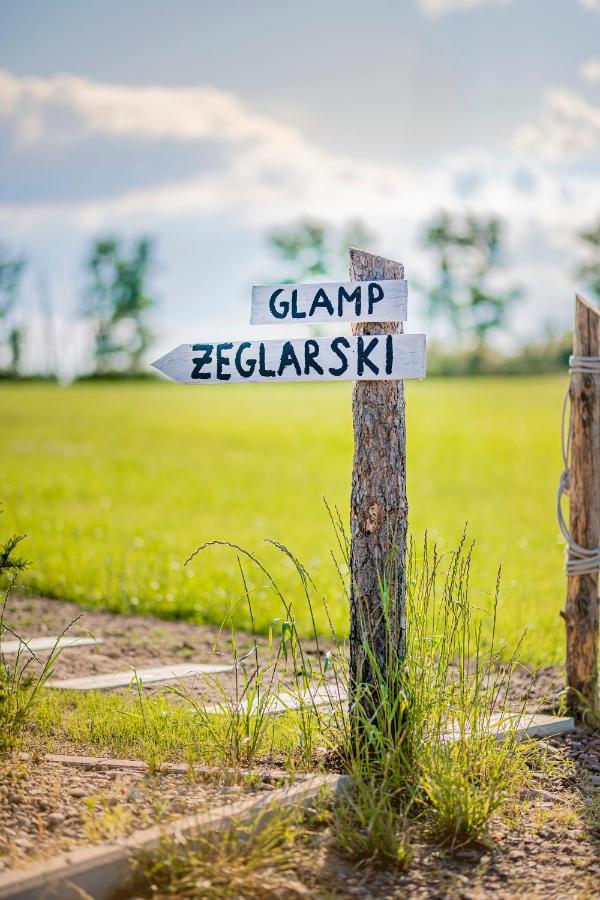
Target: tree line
469, 294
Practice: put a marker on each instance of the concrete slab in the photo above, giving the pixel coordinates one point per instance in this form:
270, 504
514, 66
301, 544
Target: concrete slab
38, 645
146, 676
324, 695
138, 765
523, 726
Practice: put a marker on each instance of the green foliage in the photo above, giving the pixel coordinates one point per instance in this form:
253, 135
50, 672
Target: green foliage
9, 563
23, 676
369, 824
312, 249
538, 358
118, 301
419, 742
155, 729
11, 272
116, 484
589, 271
467, 251
248, 862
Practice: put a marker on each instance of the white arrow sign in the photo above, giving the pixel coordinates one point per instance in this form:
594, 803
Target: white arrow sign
350, 301
377, 357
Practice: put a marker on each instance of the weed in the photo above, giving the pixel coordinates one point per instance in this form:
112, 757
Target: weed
419, 740
20, 683
99, 722
246, 861
151, 720
370, 824
103, 821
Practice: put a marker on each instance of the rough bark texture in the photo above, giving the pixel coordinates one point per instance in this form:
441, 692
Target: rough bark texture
581, 613
379, 509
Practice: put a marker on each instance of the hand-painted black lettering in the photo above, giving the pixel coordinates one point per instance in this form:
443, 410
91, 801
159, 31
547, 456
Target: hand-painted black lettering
250, 363
389, 354
311, 351
363, 356
354, 297
295, 313
223, 361
288, 358
321, 300
262, 367
284, 305
204, 360
375, 295
335, 348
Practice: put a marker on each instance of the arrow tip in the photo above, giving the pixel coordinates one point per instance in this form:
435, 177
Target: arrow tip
159, 364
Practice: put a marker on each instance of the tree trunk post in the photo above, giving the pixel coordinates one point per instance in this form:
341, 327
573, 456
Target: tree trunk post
379, 508
581, 612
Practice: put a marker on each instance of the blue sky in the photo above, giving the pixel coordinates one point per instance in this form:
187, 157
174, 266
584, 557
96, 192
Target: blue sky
206, 124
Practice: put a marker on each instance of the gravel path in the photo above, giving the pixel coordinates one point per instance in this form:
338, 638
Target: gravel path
47, 808
550, 850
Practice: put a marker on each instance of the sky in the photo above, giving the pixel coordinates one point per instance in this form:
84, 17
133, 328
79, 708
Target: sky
206, 124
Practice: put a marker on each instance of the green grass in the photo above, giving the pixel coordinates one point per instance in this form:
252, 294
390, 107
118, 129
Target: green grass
157, 731
116, 484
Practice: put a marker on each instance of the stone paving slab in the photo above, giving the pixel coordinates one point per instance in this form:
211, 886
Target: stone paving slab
324, 695
145, 676
11, 648
522, 725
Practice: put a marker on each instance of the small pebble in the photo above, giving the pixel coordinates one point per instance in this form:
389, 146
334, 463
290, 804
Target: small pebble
55, 818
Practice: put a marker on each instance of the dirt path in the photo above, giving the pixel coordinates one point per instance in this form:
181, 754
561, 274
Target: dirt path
132, 641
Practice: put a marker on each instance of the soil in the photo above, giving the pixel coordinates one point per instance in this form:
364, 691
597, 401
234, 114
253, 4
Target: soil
47, 808
132, 641
551, 848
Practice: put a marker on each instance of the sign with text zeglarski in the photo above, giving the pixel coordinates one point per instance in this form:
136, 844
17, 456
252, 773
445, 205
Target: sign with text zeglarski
377, 357
353, 301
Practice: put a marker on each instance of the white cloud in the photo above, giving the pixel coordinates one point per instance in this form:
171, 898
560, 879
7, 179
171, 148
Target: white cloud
590, 70
269, 173
567, 131
65, 108
441, 7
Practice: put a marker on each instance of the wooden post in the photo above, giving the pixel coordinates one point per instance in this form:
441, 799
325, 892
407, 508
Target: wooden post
581, 613
379, 509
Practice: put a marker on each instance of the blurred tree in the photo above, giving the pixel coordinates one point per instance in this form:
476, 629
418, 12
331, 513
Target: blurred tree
589, 272
468, 250
118, 301
313, 249
11, 272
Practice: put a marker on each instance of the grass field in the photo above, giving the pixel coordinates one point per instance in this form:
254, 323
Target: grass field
115, 484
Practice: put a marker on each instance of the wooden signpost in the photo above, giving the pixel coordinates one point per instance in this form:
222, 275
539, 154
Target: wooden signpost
377, 356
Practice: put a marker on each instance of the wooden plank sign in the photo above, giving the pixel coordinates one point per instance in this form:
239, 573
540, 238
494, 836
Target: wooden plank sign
377, 357
350, 301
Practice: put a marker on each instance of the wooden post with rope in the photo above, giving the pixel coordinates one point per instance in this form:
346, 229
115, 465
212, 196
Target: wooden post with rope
582, 482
